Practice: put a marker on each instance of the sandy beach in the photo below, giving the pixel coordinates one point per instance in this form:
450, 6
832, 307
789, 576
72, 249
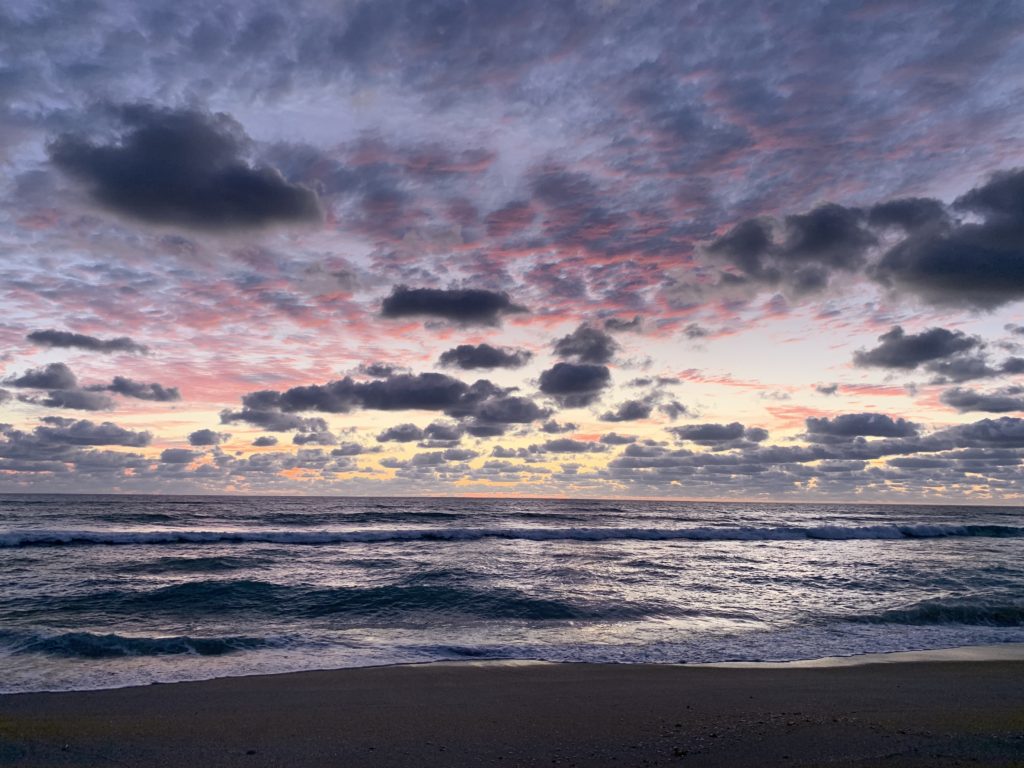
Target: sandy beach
916, 713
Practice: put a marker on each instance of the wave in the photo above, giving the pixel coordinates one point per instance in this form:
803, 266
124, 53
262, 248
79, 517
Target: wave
246, 597
88, 645
40, 538
976, 612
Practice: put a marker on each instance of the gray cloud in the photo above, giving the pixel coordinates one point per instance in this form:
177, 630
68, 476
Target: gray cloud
466, 306
1001, 401
586, 345
907, 351
55, 429
66, 339
207, 437
715, 434
126, 387
575, 386
469, 357
850, 425
630, 410
51, 376
182, 167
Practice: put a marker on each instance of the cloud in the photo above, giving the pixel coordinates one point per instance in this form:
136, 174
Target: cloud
273, 420
483, 407
907, 351
469, 357
66, 339
141, 391
575, 386
182, 167
714, 434
616, 324
178, 456
74, 399
403, 433
612, 438
830, 238
51, 376
586, 345
553, 427
567, 445
1001, 401
264, 441
975, 264
207, 437
952, 356
314, 438
55, 429
851, 425
630, 410
466, 306
826, 389
909, 214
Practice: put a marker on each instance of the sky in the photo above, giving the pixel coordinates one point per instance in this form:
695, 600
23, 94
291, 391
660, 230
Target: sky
759, 250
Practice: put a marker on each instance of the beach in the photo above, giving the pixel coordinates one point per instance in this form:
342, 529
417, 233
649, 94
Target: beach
903, 713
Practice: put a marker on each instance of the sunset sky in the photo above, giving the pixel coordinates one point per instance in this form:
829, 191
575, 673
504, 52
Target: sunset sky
514, 247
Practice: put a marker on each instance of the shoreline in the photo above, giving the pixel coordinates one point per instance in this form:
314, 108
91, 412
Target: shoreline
1011, 651
931, 711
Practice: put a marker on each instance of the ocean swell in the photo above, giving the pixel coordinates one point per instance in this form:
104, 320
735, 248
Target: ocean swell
42, 538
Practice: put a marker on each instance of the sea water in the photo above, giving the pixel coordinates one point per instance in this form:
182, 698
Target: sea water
107, 591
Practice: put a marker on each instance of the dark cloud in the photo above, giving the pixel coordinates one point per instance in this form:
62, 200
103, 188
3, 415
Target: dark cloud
613, 438
509, 409
178, 456
695, 331
830, 235
182, 167
630, 410
553, 427
51, 376
851, 425
314, 438
378, 370
469, 357
207, 437
575, 386
909, 214
466, 306
826, 389
673, 409
274, 420
616, 324
483, 408
714, 434
828, 239
1001, 401
402, 433
441, 432
74, 399
55, 429
567, 445
907, 351
66, 339
974, 264
140, 390
264, 441
586, 345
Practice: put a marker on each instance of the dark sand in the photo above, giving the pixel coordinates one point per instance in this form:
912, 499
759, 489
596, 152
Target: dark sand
898, 714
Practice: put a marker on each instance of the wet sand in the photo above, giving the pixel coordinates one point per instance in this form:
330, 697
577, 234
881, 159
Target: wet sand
933, 713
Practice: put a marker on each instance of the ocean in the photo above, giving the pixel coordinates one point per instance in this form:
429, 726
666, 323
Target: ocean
110, 591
